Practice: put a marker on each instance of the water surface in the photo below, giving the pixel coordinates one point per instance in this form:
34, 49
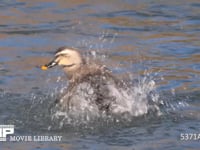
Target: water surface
144, 41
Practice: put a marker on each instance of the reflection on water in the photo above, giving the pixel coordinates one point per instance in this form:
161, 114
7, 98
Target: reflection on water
158, 40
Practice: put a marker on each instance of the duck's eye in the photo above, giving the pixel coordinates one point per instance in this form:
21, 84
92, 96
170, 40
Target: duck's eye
64, 55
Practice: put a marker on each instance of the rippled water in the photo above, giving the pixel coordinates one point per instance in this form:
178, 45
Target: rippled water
154, 44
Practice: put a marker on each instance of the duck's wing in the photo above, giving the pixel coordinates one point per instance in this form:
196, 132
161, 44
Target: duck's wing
93, 88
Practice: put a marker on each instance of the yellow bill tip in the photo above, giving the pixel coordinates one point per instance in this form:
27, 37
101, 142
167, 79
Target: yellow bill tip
44, 67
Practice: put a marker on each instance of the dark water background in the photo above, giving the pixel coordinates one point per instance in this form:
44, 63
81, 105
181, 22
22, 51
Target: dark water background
155, 39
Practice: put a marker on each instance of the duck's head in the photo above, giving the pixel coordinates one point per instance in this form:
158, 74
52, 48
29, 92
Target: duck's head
67, 58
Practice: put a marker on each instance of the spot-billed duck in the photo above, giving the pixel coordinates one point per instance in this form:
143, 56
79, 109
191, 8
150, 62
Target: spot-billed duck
90, 81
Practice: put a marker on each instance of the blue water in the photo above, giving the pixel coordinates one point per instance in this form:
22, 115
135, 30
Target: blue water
143, 41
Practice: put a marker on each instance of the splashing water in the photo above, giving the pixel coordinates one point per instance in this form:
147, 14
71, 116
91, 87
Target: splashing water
140, 98
136, 99
133, 101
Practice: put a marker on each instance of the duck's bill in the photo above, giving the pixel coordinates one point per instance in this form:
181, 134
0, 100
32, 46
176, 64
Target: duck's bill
49, 65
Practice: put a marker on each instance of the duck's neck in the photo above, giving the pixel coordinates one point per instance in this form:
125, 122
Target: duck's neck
72, 74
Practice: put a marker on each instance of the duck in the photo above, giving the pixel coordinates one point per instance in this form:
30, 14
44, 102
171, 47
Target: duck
87, 81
